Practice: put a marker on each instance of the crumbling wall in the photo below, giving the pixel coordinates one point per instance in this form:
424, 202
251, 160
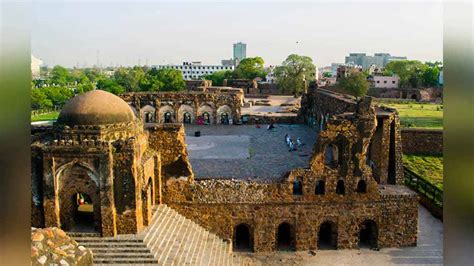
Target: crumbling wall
422, 141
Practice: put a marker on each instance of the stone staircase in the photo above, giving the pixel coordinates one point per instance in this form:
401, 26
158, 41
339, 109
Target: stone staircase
122, 249
171, 239
176, 240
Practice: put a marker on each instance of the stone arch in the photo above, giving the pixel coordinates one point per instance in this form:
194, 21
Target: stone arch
73, 179
224, 113
361, 187
320, 188
205, 111
164, 111
243, 238
148, 114
331, 155
327, 235
186, 112
368, 234
340, 187
285, 237
297, 187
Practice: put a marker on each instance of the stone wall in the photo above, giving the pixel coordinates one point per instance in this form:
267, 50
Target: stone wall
51, 246
417, 94
185, 107
422, 141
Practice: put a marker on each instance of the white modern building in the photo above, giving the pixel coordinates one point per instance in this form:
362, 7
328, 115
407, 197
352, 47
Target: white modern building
35, 67
270, 77
386, 81
195, 70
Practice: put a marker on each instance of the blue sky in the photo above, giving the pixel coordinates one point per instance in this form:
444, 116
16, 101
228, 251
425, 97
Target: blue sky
70, 34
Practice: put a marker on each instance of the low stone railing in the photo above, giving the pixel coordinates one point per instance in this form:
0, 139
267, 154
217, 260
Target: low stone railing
430, 195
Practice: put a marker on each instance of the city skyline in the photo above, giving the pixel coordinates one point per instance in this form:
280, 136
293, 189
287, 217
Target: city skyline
170, 33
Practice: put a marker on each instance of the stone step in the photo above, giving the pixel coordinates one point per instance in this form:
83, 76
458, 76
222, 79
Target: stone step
133, 261
123, 255
81, 234
120, 250
114, 245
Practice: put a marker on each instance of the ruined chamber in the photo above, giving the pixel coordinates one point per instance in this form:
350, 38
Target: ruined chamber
336, 202
93, 171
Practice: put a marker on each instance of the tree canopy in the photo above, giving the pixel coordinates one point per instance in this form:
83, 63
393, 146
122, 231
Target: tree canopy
414, 73
218, 77
355, 84
294, 72
250, 68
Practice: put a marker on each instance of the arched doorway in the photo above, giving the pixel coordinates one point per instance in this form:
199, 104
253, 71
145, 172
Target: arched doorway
361, 187
331, 155
368, 234
320, 188
168, 117
79, 199
284, 237
186, 118
207, 118
327, 236
242, 239
340, 188
297, 187
225, 118
83, 213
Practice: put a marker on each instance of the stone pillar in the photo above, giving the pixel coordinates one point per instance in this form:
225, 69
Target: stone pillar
50, 201
107, 203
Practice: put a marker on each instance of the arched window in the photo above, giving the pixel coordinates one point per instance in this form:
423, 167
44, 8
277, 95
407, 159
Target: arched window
187, 118
327, 236
331, 154
320, 188
168, 117
361, 187
207, 118
368, 234
224, 118
285, 237
340, 189
297, 187
242, 239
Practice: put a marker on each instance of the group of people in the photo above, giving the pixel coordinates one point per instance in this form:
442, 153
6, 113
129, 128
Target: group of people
291, 143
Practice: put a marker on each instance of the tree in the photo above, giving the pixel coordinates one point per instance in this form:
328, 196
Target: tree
409, 71
294, 72
250, 68
58, 95
170, 80
327, 74
218, 77
129, 78
355, 84
430, 75
60, 76
110, 85
39, 100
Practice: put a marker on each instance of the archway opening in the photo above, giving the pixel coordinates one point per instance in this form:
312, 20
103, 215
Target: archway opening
207, 118
340, 188
187, 118
331, 155
224, 118
297, 187
168, 117
242, 241
284, 237
320, 188
83, 215
361, 187
368, 234
148, 117
327, 236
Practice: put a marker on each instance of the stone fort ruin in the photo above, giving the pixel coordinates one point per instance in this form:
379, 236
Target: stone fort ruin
124, 165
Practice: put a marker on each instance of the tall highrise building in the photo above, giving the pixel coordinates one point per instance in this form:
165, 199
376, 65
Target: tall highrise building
240, 51
378, 59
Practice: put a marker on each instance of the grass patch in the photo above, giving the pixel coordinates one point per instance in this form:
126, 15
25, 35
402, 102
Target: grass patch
419, 115
45, 117
428, 166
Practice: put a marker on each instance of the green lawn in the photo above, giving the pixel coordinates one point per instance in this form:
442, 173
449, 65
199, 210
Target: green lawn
428, 166
45, 117
418, 115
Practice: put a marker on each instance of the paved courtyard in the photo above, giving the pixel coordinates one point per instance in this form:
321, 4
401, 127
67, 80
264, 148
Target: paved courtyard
429, 251
247, 152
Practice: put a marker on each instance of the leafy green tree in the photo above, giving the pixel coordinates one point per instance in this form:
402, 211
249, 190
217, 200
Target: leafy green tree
170, 80
110, 85
85, 87
409, 71
294, 72
60, 76
327, 74
218, 77
39, 100
430, 75
129, 78
355, 84
58, 95
250, 68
